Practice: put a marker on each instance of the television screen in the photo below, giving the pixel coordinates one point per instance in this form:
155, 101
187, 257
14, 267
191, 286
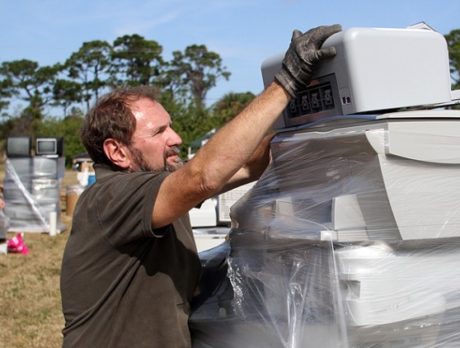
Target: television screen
50, 147
18, 146
46, 146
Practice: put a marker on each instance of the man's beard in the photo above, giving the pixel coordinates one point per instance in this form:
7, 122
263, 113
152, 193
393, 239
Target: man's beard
174, 151
142, 164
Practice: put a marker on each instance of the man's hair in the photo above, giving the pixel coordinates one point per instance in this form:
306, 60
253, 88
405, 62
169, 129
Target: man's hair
111, 117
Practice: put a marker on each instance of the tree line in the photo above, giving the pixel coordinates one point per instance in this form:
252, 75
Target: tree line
453, 44
98, 66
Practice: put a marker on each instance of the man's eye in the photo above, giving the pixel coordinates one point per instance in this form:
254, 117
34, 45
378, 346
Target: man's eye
158, 131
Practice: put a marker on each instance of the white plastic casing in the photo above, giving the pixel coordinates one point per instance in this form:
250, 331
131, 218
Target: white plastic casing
381, 69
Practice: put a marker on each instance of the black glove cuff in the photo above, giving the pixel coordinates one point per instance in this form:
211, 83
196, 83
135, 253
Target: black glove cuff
287, 82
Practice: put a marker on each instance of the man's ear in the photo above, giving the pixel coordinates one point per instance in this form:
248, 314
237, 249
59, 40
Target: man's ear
117, 153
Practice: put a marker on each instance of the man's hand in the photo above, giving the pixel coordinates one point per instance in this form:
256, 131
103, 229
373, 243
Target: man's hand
302, 55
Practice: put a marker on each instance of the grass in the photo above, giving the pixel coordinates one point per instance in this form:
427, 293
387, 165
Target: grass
30, 302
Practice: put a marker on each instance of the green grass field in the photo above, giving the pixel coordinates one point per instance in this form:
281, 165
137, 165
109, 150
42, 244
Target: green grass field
30, 303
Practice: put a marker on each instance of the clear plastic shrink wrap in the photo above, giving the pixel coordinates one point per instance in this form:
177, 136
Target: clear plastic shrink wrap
31, 192
349, 239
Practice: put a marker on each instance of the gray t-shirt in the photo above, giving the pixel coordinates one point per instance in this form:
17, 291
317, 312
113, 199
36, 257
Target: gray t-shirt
124, 284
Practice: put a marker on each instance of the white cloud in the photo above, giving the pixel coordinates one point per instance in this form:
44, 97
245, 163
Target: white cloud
141, 25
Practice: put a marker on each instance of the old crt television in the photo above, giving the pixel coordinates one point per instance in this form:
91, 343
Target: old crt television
18, 146
49, 147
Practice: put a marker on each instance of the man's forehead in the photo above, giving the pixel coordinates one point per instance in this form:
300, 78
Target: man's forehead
150, 114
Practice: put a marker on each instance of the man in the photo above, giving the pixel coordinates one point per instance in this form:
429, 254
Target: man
130, 266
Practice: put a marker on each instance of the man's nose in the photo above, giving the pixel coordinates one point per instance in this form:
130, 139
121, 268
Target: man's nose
174, 138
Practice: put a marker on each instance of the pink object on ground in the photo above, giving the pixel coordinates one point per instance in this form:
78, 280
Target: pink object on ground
17, 245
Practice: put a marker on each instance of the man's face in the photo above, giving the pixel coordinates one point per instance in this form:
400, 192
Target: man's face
155, 145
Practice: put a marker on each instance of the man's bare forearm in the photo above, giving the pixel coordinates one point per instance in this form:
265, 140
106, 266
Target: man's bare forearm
255, 166
234, 145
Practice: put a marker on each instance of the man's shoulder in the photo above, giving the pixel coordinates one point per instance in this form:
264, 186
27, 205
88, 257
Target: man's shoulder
104, 172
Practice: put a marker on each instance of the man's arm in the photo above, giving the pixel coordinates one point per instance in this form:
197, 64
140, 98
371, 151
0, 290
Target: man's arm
255, 166
219, 160
234, 144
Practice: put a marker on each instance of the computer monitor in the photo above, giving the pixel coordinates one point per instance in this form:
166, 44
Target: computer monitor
18, 146
49, 147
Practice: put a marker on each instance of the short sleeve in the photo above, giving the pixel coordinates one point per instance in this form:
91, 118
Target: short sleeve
124, 205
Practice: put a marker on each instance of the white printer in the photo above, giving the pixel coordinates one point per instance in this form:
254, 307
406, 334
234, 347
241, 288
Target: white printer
351, 238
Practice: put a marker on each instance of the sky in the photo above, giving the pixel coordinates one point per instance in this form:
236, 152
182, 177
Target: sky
243, 32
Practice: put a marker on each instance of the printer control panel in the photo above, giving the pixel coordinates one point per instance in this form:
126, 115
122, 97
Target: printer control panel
319, 99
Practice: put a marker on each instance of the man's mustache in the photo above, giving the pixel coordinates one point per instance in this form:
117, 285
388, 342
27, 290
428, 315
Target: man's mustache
175, 150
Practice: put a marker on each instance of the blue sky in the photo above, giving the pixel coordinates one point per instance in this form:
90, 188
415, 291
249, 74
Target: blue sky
243, 32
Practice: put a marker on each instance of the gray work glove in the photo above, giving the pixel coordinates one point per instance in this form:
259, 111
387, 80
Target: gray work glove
302, 55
